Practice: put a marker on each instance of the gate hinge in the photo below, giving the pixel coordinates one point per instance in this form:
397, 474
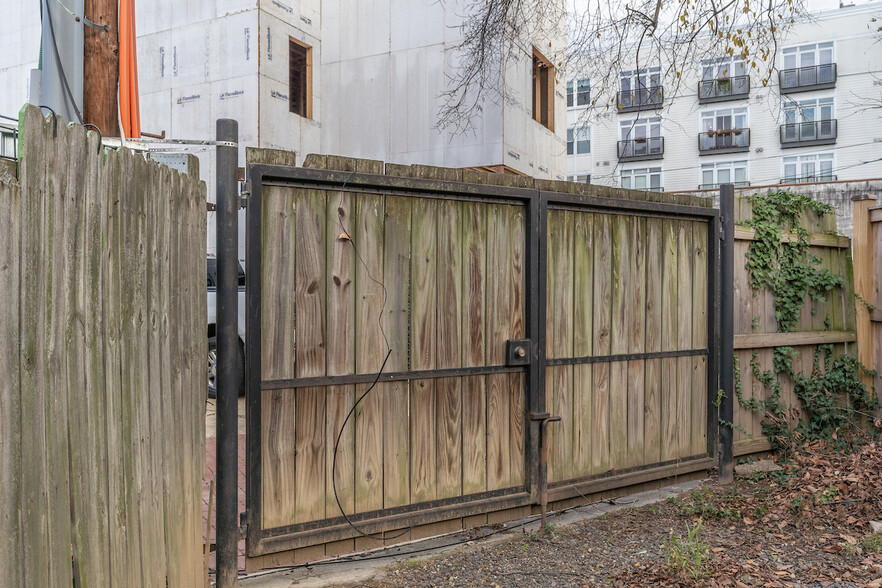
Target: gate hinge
244, 521
244, 193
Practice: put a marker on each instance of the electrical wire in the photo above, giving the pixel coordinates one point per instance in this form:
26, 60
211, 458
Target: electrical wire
340, 213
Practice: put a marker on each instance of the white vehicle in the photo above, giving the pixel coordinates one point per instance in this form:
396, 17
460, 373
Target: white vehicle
212, 328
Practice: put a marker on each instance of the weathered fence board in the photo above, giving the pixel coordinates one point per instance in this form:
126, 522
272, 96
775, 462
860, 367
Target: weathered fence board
756, 328
434, 272
102, 454
868, 285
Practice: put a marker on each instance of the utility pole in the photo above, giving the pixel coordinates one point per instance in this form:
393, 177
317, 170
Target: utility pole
101, 67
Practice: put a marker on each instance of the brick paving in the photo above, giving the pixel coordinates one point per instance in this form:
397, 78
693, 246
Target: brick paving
210, 467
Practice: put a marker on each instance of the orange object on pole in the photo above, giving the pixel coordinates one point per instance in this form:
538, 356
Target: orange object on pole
129, 108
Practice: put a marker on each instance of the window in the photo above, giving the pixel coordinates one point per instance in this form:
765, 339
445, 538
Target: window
816, 167
640, 129
722, 68
578, 140
725, 119
640, 79
723, 172
543, 91
642, 179
8, 140
808, 55
580, 178
299, 78
808, 110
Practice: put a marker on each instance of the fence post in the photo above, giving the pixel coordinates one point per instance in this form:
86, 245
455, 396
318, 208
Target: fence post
227, 531
862, 259
727, 340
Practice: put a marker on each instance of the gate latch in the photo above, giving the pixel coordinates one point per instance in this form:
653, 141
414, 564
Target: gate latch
244, 520
518, 352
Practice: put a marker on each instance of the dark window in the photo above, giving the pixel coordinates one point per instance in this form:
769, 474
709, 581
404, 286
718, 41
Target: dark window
543, 91
583, 92
300, 79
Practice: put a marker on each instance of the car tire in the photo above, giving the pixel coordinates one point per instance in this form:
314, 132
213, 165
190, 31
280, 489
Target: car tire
212, 367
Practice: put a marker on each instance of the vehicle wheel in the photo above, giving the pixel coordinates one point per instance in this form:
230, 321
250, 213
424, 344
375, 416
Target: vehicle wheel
212, 368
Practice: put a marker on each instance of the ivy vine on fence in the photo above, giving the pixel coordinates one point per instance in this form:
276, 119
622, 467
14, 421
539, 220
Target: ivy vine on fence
833, 399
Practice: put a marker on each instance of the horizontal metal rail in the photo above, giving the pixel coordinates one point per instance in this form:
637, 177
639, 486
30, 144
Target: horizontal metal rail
624, 357
319, 381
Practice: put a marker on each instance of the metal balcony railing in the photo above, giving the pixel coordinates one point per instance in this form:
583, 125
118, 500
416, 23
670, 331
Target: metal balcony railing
642, 149
722, 89
804, 79
813, 179
640, 99
805, 134
717, 185
724, 141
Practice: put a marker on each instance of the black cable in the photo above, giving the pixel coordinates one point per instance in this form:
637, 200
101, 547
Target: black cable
97, 130
340, 212
61, 67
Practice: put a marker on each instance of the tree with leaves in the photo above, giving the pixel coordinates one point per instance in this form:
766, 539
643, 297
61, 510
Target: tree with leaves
607, 38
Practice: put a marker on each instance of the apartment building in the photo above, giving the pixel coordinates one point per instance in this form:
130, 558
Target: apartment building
812, 124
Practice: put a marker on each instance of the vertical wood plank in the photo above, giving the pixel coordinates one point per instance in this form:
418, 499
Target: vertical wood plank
36, 137
602, 323
622, 311
685, 317
178, 571
583, 331
423, 341
11, 561
278, 280
652, 424
448, 435
158, 228
698, 433
636, 333
370, 351
474, 285
396, 400
309, 417
670, 417
559, 337
516, 330
498, 317
341, 318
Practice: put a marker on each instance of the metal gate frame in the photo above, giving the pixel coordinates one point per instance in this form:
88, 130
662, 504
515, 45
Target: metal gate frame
536, 203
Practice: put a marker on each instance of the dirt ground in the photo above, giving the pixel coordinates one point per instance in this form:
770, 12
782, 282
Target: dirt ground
805, 525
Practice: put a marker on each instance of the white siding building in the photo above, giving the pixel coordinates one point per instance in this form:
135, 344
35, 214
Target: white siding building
810, 125
330, 76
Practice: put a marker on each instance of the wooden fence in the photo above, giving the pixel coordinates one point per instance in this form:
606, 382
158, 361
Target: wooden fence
868, 285
102, 348
830, 322
447, 269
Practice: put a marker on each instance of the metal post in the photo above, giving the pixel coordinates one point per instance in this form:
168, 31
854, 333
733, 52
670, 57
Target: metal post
228, 365
727, 337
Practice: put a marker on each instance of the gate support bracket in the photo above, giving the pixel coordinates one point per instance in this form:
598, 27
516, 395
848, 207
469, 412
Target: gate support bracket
544, 418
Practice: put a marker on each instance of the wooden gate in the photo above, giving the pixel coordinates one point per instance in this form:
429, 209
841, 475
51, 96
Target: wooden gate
403, 401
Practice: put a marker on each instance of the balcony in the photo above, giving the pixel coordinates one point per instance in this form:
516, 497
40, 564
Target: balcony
716, 186
642, 149
807, 134
805, 79
723, 89
814, 179
724, 141
640, 99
